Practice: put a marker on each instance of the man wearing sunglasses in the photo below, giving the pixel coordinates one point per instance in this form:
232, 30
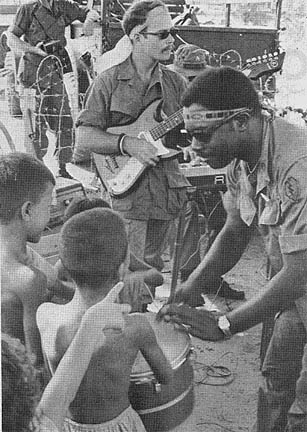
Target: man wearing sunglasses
117, 97
267, 188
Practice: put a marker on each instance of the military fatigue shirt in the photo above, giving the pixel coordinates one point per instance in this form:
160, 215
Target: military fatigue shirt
117, 97
275, 196
36, 20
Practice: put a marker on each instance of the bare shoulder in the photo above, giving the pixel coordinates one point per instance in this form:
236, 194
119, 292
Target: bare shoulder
25, 282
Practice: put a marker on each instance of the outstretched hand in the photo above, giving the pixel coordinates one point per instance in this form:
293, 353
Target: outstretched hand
186, 294
200, 323
107, 314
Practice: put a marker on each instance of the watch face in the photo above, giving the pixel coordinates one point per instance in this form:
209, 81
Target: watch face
224, 325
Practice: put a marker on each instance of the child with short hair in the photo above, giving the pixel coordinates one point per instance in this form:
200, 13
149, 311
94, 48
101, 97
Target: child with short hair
93, 248
27, 279
141, 279
26, 186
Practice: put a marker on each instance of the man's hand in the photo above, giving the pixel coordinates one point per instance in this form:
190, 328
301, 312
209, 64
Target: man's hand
38, 50
186, 293
142, 150
106, 315
189, 154
200, 323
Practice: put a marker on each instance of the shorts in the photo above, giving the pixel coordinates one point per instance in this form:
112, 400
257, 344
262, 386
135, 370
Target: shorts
127, 421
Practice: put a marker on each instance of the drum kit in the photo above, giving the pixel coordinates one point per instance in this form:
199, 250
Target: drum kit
164, 406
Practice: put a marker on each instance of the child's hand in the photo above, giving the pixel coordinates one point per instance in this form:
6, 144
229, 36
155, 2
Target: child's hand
106, 315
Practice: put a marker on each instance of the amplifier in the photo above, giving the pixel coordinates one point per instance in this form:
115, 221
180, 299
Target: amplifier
203, 176
65, 190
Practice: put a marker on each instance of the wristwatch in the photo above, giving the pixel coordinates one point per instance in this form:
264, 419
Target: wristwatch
224, 326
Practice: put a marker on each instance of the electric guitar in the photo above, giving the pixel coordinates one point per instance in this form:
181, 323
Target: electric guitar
255, 67
120, 173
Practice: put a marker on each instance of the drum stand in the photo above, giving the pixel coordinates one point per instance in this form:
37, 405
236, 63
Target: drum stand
193, 196
178, 245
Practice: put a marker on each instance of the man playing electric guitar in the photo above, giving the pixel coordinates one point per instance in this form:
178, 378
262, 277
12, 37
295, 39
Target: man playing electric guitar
118, 96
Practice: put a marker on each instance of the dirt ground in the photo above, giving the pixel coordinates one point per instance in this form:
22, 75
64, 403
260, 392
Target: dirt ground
228, 404
221, 404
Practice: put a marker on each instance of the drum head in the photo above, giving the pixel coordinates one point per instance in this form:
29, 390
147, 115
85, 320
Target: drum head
174, 342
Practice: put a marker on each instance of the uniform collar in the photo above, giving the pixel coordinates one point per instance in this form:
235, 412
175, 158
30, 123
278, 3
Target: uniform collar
46, 4
127, 72
263, 177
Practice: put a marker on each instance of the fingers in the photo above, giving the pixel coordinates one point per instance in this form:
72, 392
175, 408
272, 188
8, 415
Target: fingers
114, 292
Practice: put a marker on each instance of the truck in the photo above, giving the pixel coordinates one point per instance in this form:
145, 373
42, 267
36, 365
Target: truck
236, 32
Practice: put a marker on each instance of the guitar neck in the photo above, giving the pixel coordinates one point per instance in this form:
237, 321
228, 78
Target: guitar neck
167, 125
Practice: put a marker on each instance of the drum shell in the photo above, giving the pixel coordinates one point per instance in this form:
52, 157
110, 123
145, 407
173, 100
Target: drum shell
164, 406
163, 410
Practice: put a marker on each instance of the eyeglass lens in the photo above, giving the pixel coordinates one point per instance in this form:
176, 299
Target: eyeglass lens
163, 34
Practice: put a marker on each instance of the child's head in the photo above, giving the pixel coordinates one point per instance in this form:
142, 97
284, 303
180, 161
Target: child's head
26, 186
79, 204
93, 247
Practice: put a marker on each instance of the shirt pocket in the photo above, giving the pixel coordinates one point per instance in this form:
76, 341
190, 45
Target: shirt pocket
271, 214
125, 101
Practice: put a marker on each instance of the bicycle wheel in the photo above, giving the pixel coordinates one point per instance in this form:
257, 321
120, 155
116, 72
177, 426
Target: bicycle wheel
6, 142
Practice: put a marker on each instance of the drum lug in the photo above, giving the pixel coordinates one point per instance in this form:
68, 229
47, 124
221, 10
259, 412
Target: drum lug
192, 353
158, 387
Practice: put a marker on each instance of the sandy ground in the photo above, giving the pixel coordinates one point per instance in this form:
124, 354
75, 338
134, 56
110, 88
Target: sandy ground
221, 404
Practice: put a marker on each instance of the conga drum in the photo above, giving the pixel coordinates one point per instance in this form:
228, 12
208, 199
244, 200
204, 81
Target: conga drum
160, 406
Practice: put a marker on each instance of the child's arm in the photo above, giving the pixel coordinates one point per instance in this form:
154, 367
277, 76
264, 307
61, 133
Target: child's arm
152, 352
62, 388
32, 296
12, 315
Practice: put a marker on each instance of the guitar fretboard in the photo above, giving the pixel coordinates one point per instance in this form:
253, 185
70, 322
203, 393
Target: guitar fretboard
167, 125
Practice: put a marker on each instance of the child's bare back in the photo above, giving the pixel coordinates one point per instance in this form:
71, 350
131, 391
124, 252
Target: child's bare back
103, 393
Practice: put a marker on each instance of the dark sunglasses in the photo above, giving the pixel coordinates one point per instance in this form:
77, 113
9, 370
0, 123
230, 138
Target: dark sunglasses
203, 134
163, 34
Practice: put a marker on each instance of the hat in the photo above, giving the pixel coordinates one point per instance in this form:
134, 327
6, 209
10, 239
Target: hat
190, 60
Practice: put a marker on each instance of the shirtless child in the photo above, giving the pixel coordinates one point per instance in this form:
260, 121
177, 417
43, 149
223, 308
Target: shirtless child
25, 197
94, 249
141, 279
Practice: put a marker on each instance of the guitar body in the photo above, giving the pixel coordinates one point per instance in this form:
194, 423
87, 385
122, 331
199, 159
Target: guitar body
256, 67
120, 173
144, 122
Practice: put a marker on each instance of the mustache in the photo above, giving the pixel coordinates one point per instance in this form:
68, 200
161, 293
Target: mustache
169, 47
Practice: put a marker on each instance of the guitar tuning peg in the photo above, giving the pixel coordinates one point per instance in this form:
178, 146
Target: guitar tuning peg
264, 56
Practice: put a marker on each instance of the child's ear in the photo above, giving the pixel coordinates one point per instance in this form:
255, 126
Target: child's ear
26, 211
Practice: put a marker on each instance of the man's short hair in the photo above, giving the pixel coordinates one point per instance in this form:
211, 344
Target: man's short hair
22, 178
80, 204
93, 244
137, 13
222, 89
